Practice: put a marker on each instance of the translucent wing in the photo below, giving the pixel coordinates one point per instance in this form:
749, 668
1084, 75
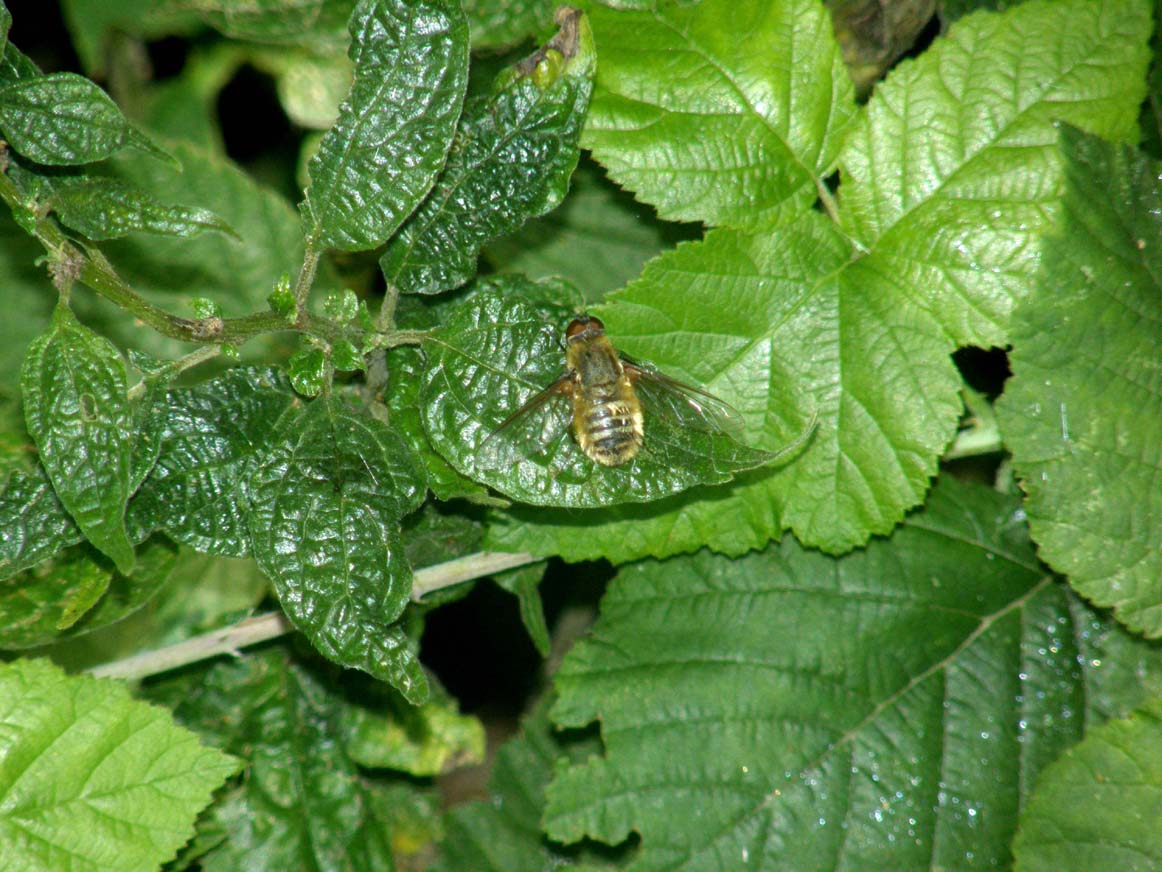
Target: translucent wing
532, 429
684, 404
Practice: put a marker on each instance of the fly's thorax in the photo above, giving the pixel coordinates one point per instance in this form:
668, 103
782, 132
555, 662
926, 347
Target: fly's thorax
608, 421
595, 362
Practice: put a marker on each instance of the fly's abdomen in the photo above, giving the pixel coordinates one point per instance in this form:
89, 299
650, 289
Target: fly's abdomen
608, 429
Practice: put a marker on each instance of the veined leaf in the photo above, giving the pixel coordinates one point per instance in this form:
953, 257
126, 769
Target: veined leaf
382, 156
213, 434
102, 208
303, 803
77, 411
93, 779
727, 112
490, 356
953, 173
1082, 414
324, 525
33, 524
524, 583
520, 140
1098, 806
888, 709
64, 119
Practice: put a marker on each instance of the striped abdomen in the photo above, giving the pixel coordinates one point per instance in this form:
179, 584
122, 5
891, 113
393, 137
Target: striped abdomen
608, 424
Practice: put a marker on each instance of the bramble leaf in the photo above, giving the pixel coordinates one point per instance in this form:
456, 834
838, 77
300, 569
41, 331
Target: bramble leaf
1098, 806
102, 208
77, 412
725, 112
64, 119
511, 160
383, 154
890, 708
491, 355
324, 524
93, 779
213, 434
1082, 414
33, 524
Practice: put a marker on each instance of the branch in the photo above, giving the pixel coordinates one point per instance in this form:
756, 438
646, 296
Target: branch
263, 628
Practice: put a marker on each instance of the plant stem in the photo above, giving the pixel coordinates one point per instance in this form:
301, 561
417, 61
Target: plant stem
201, 355
262, 628
386, 319
306, 277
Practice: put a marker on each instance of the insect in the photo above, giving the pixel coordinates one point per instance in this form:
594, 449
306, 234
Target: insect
608, 399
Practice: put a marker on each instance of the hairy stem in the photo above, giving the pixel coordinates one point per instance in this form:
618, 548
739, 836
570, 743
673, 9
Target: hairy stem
262, 628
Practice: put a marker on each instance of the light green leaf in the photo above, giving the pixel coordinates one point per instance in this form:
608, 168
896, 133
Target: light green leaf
727, 112
64, 119
324, 526
93, 23
490, 356
1098, 807
77, 412
953, 173
888, 709
522, 140
33, 524
303, 803
315, 23
503, 23
108, 208
213, 434
524, 583
29, 300
93, 780
598, 239
424, 740
1082, 414
308, 371
382, 156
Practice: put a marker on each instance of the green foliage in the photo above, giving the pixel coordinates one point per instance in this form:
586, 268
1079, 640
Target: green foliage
93, 779
810, 656
1098, 806
1084, 411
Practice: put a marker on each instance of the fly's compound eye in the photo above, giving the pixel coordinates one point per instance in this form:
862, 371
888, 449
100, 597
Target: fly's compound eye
586, 324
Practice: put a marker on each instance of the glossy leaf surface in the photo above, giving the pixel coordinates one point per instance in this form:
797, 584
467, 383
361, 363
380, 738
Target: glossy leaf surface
108, 209
324, 526
1082, 414
382, 155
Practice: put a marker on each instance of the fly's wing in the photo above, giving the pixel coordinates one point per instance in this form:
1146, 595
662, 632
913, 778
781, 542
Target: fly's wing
532, 428
683, 404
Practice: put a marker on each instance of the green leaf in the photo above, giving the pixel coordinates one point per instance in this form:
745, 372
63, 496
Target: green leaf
382, 156
77, 412
424, 740
953, 173
303, 803
524, 583
5, 26
520, 140
315, 23
95, 24
1098, 807
28, 300
728, 112
33, 524
78, 592
403, 403
308, 371
598, 239
504, 834
64, 119
494, 353
887, 709
324, 526
503, 23
213, 434
107, 209
1082, 414
93, 779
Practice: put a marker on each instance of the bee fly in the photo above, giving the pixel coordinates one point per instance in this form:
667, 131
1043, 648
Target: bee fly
611, 398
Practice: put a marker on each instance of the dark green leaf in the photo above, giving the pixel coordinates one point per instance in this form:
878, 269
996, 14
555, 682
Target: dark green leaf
511, 160
503, 23
16, 66
5, 26
381, 157
93, 779
64, 119
1098, 807
318, 24
524, 583
302, 804
78, 592
324, 526
108, 208
1083, 412
78, 414
308, 371
729, 111
95, 25
213, 433
489, 357
33, 524
434, 537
